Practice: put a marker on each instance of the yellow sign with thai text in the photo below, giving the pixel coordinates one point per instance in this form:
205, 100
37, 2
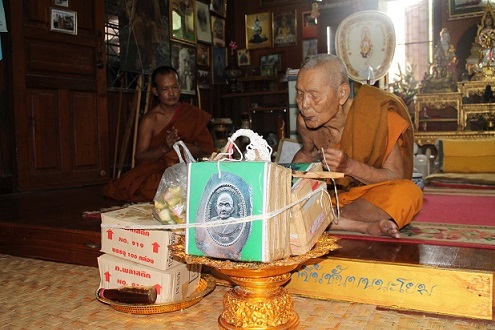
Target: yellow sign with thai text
454, 292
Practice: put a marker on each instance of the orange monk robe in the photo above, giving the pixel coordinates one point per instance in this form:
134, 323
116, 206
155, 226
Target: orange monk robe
141, 182
376, 121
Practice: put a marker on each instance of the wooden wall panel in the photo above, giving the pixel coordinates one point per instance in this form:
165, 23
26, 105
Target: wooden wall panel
59, 104
83, 107
53, 58
45, 144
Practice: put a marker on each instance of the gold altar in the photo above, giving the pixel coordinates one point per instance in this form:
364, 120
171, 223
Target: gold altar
467, 110
258, 300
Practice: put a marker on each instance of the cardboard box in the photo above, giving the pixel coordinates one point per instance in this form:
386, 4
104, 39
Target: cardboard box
173, 284
309, 219
232, 190
146, 247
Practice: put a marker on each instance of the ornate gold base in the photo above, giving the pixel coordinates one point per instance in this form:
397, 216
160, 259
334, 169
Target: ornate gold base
258, 300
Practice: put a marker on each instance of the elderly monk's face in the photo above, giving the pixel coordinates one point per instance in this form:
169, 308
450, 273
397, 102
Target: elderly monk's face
317, 101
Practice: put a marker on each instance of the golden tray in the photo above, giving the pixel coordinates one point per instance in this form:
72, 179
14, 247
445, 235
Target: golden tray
206, 285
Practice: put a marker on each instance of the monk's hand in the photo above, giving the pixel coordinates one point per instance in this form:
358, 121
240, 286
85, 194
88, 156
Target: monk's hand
171, 137
335, 160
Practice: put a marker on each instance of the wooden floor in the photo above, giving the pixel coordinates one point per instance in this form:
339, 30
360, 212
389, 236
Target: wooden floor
49, 225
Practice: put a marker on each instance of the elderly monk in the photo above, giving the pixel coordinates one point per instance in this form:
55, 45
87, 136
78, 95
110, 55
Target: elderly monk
168, 122
368, 138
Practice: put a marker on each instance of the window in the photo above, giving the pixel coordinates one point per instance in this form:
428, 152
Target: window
116, 79
414, 39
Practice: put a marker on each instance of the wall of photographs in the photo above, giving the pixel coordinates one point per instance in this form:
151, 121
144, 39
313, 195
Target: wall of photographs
260, 48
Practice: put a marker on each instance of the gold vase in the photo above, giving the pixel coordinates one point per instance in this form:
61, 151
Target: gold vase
258, 300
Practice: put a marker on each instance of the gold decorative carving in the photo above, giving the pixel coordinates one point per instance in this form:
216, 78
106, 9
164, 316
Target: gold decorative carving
474, 87
436, 101
483, 108
259, 300
426, 138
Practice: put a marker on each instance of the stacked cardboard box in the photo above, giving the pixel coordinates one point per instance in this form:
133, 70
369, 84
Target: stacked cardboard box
141, 257
309, 219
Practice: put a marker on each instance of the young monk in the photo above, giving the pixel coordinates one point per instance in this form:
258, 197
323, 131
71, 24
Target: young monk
166, 123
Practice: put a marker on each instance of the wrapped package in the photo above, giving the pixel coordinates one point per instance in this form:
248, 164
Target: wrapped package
227, 191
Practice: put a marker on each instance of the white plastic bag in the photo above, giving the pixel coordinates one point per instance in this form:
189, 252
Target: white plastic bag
171, 196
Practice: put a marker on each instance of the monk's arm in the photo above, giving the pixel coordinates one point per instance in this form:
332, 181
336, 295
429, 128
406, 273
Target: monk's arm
202, 146
145, 135
392, 169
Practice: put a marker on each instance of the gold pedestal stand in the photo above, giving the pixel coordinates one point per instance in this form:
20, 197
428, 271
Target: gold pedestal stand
259, 300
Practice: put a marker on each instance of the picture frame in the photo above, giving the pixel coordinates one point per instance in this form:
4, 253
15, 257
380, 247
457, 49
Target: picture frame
203, 22
204, 79
459, 9
219, 7
243, 57
284, 27
182, 21
309, 25
218, 31
62, 3
287, 148
139, 56
203, 54
258, 30
219, 62
274, 60
183, 59
64, 21
271, 3
309, 47
267, 70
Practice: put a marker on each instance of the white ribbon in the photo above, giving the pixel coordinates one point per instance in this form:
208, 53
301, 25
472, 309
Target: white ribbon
217, 223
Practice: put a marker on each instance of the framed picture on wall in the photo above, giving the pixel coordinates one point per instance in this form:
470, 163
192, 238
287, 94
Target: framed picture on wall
243, 57
184, 61
284, 28
204, 79
309, 47
219, 7
218, 29
62, 3
203, 54
182, 21
461, 8
203, 22
258, 30
274, 60
266, 3
219, 62
309, 25
63, 21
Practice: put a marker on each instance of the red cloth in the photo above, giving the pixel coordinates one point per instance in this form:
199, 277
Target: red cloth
140, 183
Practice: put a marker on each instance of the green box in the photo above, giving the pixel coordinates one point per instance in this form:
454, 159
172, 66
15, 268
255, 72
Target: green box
228, 190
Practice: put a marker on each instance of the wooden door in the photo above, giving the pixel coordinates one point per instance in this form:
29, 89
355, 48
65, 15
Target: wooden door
59, 100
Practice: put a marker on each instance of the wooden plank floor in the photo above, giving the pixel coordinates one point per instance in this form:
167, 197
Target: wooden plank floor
48, 217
